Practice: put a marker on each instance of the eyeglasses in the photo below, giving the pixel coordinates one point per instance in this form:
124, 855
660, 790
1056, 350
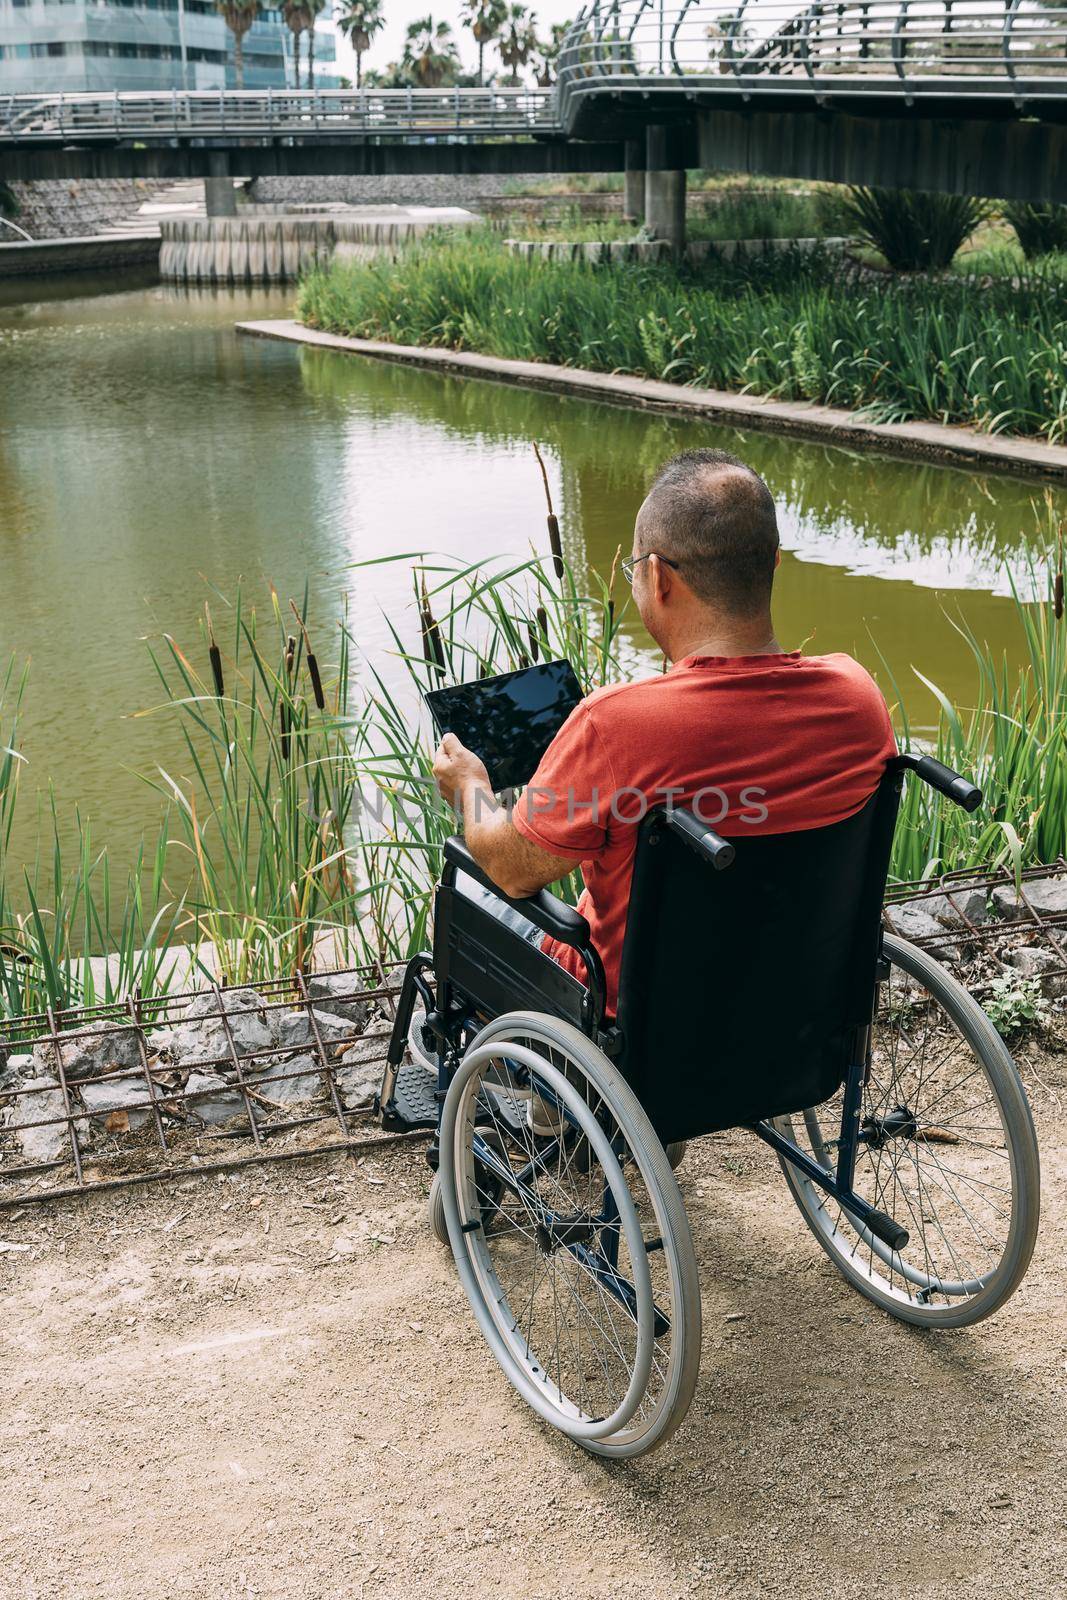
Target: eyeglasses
628, 563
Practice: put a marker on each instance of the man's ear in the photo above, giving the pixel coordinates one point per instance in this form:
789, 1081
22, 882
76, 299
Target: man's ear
662, 577
777, 558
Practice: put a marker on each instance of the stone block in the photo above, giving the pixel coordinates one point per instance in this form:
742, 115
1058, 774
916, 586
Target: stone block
88, 1052
1047, 896
359, 1073
212, 1099
45, 1100
915, 923
119, 1105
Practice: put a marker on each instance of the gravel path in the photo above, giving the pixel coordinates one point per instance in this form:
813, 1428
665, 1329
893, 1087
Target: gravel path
270, 1385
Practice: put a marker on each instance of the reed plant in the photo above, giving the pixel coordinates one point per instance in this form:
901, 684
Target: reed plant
1012, 740
261, 813
792, 326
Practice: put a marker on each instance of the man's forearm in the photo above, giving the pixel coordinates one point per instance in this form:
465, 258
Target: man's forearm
516, 865
482, 816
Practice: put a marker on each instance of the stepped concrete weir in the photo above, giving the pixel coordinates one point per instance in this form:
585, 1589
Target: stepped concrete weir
268, 244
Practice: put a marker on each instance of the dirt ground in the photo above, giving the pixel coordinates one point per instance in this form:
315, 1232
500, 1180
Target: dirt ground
269, 1384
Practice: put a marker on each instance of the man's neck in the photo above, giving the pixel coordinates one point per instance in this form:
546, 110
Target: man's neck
726, 637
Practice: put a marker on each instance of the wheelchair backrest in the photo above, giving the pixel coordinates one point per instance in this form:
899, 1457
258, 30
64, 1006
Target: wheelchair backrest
744, 992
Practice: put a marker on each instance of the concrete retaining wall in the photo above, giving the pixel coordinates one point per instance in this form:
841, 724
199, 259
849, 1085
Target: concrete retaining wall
273, 248
30, 260
70, 208
646, 250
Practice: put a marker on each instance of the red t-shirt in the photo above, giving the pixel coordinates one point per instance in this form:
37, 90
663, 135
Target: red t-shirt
767, 744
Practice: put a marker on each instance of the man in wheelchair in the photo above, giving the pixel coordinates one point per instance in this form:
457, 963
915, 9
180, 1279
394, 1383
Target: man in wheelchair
574, 1047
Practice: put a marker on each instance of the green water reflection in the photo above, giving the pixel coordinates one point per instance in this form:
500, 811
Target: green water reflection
147, 453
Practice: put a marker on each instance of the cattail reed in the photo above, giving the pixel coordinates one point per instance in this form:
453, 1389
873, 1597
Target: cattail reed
432, 648
215, 657
554, 542
312, 662
535, 648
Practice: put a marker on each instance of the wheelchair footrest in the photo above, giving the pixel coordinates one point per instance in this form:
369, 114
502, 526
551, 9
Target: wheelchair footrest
414, 1099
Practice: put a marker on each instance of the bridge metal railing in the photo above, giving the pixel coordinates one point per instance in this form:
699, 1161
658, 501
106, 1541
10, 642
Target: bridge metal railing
277, 113
957, 48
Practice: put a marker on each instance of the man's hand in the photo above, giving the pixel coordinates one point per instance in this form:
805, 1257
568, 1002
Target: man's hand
455, 769
516, 865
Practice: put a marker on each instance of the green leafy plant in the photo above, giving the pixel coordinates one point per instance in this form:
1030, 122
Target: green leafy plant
915, 231
1014, 1004
1040, 229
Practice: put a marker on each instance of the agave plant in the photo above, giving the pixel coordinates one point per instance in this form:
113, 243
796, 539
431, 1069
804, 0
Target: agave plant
1040, 229
914, 230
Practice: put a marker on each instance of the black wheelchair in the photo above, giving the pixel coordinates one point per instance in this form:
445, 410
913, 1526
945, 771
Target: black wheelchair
758, 989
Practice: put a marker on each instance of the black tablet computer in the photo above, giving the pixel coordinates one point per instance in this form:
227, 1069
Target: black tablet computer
509, 721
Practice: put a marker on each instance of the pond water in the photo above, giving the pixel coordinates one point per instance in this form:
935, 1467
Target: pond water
149, 456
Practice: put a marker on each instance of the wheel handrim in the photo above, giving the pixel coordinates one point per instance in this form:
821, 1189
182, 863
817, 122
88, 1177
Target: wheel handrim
937, 1157
562, 1268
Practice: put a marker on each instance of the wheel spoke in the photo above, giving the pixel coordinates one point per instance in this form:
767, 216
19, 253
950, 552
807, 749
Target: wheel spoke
936, 1154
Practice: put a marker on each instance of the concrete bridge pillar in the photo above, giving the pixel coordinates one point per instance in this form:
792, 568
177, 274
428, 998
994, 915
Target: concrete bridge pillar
633, 199
664, 188
219, 197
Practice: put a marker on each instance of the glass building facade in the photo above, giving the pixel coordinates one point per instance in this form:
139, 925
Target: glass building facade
72, 46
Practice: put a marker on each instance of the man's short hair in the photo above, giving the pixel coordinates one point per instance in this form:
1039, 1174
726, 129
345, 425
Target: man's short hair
716, 518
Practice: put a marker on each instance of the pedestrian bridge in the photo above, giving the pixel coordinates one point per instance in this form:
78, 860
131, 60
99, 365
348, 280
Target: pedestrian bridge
923, 91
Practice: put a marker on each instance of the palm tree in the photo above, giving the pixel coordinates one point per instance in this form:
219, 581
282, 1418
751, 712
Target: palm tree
518, 39
314, 7
238, 16
298, 15
484, 19
361, 20
548, 54
430, 53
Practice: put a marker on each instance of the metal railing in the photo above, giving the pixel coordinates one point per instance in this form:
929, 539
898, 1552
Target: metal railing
277, 113
951, 48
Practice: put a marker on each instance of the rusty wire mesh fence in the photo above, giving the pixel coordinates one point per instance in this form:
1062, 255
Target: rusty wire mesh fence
153, 1088
987, 929
126, 1093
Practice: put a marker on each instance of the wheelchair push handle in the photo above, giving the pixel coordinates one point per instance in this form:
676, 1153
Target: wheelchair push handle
699, 837
943, 779
546, 911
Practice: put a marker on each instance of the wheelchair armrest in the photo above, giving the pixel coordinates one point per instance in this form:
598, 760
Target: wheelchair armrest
699, 837
544, 910
941, 778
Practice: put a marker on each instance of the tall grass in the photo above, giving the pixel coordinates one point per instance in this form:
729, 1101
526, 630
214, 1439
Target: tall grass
1012, 739
792, 326
751, 214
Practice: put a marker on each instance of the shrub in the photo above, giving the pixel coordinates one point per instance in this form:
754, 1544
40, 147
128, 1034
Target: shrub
913, 230
1040, 229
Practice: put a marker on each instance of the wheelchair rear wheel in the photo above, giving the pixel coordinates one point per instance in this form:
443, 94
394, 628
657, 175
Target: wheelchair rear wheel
947, 1148
576, 1257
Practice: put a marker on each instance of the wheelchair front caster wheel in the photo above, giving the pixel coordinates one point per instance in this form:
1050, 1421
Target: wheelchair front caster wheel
435, 1210
676, 1153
